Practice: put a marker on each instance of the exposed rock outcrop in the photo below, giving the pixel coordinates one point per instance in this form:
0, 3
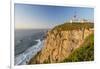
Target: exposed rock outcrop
58, 45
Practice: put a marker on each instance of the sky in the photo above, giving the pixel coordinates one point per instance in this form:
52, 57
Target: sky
28, 16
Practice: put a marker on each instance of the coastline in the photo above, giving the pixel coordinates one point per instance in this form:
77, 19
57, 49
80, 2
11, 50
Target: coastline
25, 57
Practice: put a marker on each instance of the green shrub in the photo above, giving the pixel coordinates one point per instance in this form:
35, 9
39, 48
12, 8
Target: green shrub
73, 26
84, 53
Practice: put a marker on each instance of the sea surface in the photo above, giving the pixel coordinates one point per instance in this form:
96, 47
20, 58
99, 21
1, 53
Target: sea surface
28, 42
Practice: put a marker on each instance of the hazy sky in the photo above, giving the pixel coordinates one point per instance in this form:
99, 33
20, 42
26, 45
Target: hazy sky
29, 16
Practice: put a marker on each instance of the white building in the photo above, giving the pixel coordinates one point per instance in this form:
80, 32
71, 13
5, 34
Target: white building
78, 20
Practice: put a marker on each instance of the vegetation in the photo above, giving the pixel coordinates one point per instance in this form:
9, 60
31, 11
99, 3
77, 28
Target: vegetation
73, 26
84, 53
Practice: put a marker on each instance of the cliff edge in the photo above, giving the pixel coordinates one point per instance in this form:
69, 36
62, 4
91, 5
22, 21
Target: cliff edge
61, 41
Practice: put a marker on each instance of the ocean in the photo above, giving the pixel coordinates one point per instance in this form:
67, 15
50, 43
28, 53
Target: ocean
28, 42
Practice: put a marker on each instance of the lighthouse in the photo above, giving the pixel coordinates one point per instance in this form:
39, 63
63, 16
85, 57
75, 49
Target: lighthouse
76, 19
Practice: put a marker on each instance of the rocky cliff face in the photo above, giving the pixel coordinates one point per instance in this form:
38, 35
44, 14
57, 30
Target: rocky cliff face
58, 45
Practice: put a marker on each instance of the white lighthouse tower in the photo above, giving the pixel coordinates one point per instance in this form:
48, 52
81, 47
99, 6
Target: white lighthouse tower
76, 19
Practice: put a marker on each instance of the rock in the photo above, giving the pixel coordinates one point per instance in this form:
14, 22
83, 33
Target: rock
58, 45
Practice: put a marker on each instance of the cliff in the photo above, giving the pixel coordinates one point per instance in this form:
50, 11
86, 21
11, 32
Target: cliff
61, 41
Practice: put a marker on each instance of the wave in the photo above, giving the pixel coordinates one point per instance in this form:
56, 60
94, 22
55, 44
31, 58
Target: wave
24, 57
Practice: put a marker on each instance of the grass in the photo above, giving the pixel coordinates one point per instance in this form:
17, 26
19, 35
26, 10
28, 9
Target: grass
84, 53
73, 26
